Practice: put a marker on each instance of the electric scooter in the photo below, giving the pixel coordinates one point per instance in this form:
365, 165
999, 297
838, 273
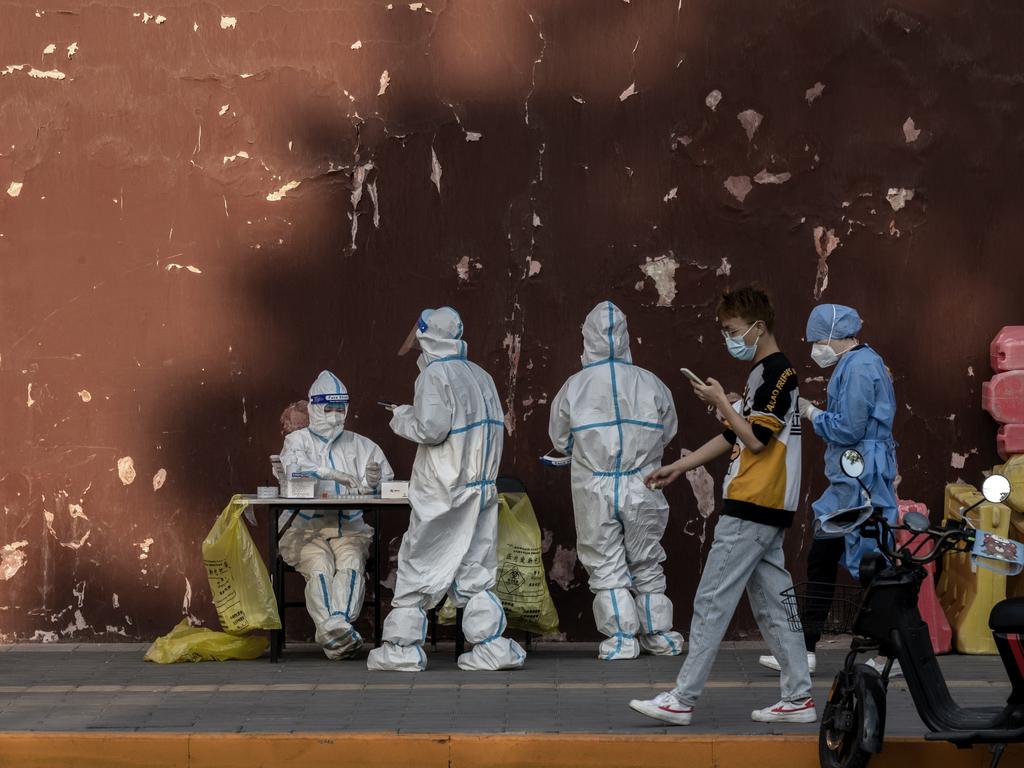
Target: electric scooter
888, 622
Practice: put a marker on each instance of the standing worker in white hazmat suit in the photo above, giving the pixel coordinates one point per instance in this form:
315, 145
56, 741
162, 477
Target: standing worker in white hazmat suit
615, 419
330, 548
451, 545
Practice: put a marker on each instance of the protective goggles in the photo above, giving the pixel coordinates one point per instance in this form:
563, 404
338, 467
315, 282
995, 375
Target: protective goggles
336, 400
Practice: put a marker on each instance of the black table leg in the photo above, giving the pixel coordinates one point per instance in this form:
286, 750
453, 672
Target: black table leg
377, 629
278, 581
460, 639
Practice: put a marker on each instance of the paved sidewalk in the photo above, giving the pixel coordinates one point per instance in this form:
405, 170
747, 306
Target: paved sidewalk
563, 689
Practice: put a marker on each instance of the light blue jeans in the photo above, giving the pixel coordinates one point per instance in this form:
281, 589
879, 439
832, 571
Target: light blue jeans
744, 555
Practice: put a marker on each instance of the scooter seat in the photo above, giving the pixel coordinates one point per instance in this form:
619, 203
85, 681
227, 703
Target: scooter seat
1007, 616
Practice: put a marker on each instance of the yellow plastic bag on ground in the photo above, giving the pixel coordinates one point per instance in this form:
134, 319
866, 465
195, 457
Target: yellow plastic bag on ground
239, 582
522, 584
185, 643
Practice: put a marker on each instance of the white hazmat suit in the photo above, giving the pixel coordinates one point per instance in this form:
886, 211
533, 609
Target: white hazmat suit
615, 419
450, 546
330, 548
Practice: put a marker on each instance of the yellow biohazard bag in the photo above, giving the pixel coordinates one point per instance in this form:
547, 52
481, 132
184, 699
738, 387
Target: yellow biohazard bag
522, 584
185, 643
239, 582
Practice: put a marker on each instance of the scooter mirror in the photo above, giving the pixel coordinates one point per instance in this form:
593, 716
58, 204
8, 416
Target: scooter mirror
916, 522
995, 489
853, 464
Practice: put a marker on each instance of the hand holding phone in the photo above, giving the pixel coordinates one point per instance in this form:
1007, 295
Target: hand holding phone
693, 377
386, 405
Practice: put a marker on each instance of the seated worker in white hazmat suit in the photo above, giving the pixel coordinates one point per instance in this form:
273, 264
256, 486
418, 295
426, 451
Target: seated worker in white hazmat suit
451, 545
329, 548
615, 419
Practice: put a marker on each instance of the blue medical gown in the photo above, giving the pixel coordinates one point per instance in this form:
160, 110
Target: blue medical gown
861, 409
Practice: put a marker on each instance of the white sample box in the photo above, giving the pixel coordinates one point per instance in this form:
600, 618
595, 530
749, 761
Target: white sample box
396, 489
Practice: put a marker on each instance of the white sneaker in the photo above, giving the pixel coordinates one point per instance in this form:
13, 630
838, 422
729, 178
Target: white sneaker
772, 663
664, 707
786, 712
879, 664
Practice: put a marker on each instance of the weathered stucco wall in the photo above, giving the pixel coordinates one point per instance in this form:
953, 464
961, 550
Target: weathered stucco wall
202, 205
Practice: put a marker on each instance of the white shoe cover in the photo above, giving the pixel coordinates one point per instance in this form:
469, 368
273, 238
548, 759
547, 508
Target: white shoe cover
397, 658
615, 616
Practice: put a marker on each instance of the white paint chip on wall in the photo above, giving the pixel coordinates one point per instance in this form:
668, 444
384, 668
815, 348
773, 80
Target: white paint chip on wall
14, 188
159, 479
435, 170
278, 194
385, 81
126, 470
228, 22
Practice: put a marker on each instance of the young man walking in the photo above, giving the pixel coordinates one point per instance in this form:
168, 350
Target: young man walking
760, 495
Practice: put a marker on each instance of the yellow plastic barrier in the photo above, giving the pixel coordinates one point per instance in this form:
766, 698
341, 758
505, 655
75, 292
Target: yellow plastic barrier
968, 593
1014, 472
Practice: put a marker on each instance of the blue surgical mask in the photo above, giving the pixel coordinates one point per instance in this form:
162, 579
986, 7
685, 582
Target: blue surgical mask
739, 348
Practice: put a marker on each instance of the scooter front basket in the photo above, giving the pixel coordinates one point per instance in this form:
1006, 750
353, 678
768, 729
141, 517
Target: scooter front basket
820, 607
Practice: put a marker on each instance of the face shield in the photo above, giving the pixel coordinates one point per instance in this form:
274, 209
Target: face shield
411, 342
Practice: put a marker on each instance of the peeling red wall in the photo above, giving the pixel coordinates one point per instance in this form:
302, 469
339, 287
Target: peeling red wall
202, 205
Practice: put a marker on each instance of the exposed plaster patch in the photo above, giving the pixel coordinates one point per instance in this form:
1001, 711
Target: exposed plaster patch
385, 81
28, 399
824, 243
85, 395
724, 269
372, 189
958, 460
51, 48
750, 119
970, 370
911, 132
435, 170
764, 177
662, 271
72, 49
278, 194
814, 92
39, 636
630, 91
50, 74
76, 511
473, 136
12, 68
713, 99
159, 479
12, 559
672, 194
898, 198
14, 188
738, 186
563, 568
356, 45
228, 22
231, 158
703, 486
186, 267
144, 545
223, 110
512, 344
126, 470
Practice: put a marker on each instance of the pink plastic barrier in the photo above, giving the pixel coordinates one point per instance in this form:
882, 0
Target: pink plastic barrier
1003, 397
928, 602
1010, 440
1008, 349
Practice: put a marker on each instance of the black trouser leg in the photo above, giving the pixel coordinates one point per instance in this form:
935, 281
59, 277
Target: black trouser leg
822, 569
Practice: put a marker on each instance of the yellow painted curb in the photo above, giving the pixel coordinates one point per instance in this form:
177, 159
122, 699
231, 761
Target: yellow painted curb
390, 750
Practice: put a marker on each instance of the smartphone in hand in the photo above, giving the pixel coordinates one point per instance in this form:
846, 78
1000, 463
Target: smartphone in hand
693, 377
386, 405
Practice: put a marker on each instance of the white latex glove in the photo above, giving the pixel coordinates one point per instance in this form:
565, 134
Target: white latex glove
340, 477
808, 410
373, 474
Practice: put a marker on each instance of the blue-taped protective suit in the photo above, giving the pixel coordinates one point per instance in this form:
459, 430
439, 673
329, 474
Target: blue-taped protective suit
330, 548
451, 544
616, 419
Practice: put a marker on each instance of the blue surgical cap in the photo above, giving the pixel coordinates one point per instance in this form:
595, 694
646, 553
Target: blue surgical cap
832, 321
